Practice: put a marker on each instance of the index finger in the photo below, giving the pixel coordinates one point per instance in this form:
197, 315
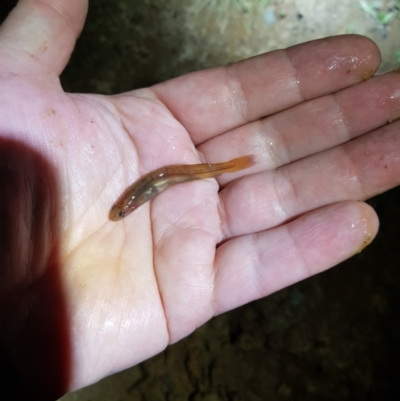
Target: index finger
211, 102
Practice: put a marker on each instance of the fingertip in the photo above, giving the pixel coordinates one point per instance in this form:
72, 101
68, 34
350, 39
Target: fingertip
369, 55
353, 225
367, 224
344, 60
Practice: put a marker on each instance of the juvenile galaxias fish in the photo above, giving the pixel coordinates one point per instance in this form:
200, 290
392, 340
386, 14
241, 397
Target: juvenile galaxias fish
153, 183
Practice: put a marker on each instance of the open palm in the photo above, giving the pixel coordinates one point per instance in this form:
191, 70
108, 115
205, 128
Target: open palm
95, 296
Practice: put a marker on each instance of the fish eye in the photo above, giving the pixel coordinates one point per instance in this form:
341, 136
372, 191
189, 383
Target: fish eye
122, 214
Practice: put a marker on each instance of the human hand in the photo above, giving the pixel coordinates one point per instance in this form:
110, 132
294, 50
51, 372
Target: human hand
83, 297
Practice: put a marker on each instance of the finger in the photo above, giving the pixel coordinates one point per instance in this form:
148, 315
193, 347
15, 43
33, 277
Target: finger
185, 230
310, 127
211, 102
253, 266
356, 170
41, 32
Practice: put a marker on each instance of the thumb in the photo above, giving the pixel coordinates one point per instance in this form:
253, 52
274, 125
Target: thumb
39, 35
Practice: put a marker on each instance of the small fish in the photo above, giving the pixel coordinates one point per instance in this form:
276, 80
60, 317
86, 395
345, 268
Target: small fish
153, 183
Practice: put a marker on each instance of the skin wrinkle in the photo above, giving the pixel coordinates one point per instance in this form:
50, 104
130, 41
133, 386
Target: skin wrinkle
337, 123
256, 142
300, 256
95, 101
63, 13
131, 142
73, 251
172, 225
123, 244
351, 172
201, 287
213, 301
296, 187
92, 205
224, 223
162, 103
235, 90
296, 80
119, 113
284, 146
257, 277
263, 205
268, 121
156, 111
14, 54
344, 123
163, 307
165, 233
162, 231
125, 172
237, 272
270, 149
283, 177
157, 280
